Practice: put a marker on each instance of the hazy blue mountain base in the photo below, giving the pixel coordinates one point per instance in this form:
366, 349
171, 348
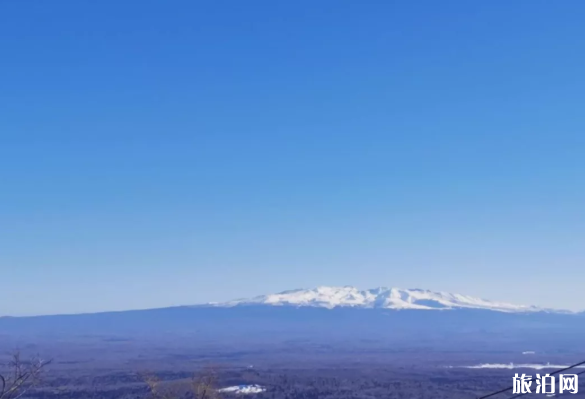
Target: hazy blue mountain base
296, 352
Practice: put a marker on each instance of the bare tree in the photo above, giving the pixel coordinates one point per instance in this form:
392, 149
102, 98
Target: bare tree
21, 376
157, 389
202, 386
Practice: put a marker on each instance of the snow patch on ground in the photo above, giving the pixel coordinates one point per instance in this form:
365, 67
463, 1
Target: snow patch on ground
243, 389
517, 366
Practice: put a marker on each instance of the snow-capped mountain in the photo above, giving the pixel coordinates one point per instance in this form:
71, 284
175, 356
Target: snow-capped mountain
381, 298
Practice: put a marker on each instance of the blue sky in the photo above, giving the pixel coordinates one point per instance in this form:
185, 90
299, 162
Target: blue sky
160, 153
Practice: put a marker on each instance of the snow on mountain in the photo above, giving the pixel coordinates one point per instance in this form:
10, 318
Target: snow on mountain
380, 298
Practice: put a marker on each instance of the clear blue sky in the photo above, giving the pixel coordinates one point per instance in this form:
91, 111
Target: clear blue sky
160, 153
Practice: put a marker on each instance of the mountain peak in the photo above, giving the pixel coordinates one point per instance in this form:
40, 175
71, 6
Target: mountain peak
378, 298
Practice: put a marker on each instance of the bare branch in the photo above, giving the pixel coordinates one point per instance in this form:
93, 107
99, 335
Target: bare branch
22, 377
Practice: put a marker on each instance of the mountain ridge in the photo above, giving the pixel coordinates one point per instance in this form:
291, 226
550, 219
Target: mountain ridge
380, 298
343, 297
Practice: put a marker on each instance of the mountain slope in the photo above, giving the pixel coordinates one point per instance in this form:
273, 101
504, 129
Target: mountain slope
378, 298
